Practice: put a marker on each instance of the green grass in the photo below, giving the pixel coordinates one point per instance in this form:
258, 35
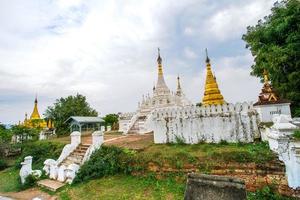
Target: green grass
177, 155
9, 180
125, 187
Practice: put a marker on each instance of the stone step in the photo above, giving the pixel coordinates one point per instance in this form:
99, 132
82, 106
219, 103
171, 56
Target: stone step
74, 159
79, 151
49, 184
77, 155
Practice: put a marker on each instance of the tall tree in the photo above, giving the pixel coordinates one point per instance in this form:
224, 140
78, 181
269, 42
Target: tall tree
64, 108
275, 44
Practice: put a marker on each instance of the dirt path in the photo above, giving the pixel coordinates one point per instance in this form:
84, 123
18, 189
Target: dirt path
29, 194
136, 142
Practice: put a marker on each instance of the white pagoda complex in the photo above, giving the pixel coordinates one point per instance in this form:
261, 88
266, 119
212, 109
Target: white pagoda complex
162, 97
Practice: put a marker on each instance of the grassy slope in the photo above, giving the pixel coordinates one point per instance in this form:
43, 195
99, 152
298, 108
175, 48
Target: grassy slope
9, 180
178, 155
125, 187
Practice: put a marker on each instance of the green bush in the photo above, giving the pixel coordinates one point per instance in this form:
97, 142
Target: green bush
296, 134
105, 161
3, 164
40, 151
266, 193
30, 181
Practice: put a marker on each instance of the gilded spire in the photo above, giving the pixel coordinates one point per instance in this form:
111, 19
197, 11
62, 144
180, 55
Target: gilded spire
178, 91
161, 87
35, 113
212, 94
266, 76
159, 61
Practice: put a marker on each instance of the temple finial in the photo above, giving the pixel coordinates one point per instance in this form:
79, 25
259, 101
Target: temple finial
178, 91
266, 76
158, 58
207, 58
35, 100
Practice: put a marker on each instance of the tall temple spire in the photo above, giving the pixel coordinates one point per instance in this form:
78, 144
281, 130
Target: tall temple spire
212, 94
35, 113
161, 87
178, 91
159, 61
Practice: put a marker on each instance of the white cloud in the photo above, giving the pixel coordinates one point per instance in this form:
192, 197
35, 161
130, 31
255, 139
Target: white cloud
189, 53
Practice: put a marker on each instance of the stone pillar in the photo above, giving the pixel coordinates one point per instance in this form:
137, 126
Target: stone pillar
75, 138
208, 187
97, 138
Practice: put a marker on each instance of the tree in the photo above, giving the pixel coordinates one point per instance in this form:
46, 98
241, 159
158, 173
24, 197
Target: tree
64, 108
5, 134
111, 119
275, 44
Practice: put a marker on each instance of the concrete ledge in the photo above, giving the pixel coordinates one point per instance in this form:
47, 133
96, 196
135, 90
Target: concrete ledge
51, 185
209, 187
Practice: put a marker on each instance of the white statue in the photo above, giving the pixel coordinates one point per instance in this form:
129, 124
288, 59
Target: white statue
26, 169
61, 176
53, 171
47, 165
71, 172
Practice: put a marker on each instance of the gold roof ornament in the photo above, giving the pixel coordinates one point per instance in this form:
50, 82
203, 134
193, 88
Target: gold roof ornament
268, 94
212, 94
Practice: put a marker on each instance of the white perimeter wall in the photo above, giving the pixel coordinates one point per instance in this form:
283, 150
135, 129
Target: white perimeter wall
228, 122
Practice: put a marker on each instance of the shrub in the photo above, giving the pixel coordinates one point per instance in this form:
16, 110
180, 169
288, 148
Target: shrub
3, 164
266, 193
40, 151
105, 161
30, 181
296, 134
223, 142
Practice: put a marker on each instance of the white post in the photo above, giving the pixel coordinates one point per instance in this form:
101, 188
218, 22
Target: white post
288, 149
75, 138
97, 139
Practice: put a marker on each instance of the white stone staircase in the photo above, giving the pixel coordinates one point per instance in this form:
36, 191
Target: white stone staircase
138, 126
73, 155
76, 157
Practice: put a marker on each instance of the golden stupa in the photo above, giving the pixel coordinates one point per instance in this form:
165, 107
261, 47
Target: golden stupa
212, 94
35, 120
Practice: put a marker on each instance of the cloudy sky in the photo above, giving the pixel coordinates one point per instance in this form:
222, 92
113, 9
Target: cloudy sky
106, 50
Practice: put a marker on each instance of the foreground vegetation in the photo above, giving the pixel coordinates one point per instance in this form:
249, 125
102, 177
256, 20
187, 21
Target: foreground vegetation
126, 187
108, 174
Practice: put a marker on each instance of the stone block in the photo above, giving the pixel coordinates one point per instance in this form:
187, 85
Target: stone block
209, 187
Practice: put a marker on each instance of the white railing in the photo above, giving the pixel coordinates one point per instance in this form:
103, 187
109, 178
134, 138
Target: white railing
97, 141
